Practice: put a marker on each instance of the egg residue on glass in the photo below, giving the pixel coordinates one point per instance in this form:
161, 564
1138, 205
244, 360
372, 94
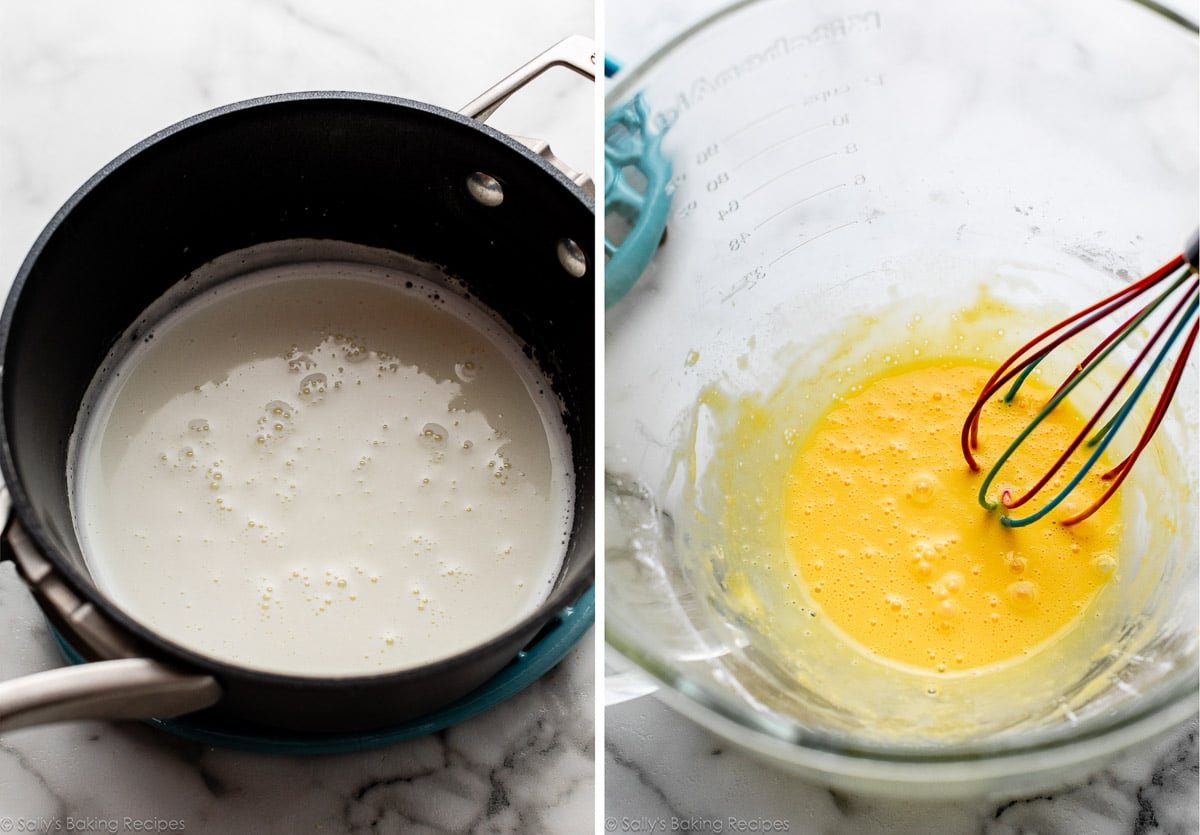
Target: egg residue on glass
829, 530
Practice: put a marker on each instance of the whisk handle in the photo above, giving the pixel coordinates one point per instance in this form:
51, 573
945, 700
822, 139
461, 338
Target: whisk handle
1191, 252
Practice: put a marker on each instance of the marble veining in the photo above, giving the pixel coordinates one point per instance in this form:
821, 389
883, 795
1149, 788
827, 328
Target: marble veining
1149, 791
525, 766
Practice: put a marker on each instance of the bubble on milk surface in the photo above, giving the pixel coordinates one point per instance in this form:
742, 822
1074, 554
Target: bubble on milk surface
433, 435
314, 387
466, 371
298, 360
350, 436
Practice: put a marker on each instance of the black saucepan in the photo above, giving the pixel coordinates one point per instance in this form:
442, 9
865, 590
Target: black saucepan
344, 168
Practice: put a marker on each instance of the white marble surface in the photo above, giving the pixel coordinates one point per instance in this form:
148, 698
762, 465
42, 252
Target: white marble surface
659, 766
79, 83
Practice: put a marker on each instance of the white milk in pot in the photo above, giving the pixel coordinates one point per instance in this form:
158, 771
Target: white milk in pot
324, 469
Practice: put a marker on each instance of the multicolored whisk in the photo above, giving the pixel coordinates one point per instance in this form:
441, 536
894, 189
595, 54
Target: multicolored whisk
1180, 298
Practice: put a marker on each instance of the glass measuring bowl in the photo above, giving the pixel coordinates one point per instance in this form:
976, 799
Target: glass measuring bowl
835, 169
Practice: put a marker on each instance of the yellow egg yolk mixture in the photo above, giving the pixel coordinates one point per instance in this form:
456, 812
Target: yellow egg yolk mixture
881, 518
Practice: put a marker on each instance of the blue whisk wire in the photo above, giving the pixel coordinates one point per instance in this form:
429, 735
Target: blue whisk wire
1178, 272
1102, 445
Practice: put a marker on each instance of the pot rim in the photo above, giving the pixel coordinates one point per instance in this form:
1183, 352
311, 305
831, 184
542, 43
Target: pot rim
563, 595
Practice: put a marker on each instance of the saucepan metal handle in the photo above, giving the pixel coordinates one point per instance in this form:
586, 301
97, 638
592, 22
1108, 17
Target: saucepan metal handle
576, 53
126, 687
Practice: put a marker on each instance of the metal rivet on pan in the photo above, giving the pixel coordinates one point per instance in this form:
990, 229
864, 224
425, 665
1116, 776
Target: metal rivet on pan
485, 189
571, 257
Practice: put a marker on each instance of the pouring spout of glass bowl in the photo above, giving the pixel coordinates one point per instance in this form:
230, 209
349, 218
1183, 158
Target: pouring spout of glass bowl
644, 576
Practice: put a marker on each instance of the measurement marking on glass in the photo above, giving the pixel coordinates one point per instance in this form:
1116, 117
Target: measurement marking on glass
781, 174
767, 220
808, 241
747, 282
758, 121
775, 145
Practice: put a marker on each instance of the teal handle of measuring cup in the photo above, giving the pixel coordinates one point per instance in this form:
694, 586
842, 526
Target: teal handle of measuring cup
628, 142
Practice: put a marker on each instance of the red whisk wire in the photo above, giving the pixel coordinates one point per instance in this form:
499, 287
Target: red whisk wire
1117, 474
1112, 395
1016, 363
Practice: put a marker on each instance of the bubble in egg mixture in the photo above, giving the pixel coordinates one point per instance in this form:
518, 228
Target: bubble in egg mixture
922, 487
330, 454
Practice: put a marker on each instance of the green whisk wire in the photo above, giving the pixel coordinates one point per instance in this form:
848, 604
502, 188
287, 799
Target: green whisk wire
1105, 435
1016, 386
1118, 420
